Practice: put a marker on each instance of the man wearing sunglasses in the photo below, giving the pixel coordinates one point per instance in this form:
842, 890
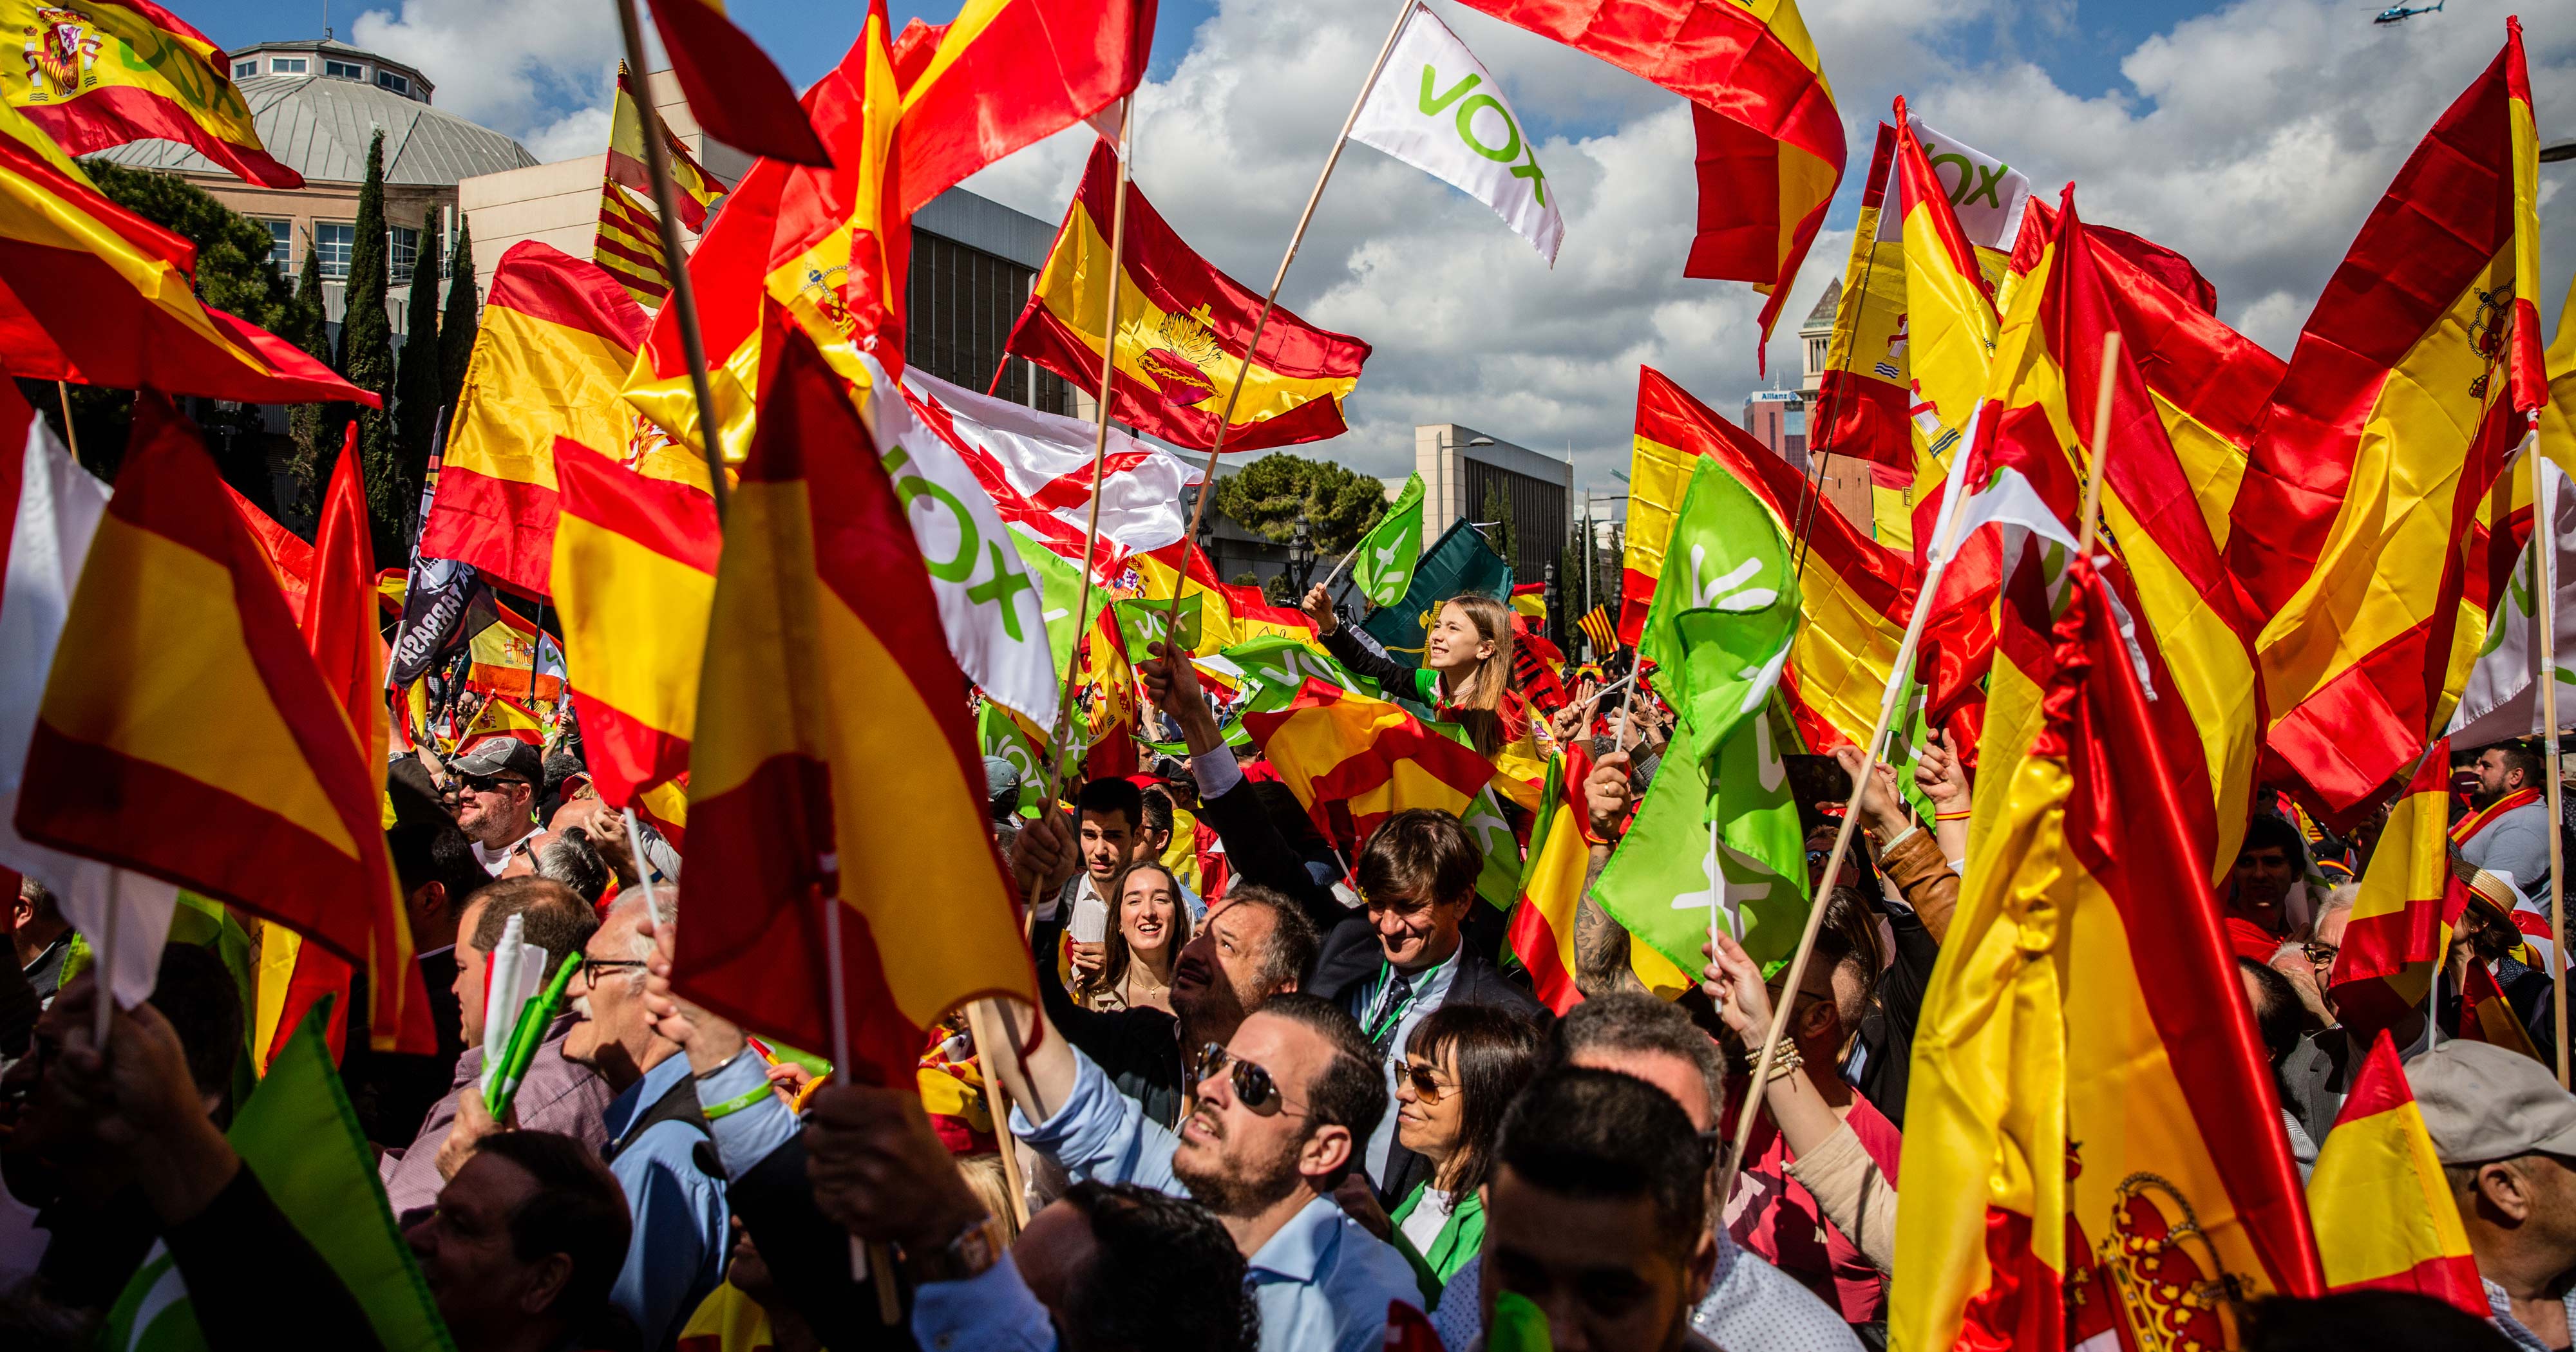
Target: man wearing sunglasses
496, 794
1280, 1113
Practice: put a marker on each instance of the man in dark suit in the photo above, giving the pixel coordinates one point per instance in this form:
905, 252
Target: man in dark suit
1419, 940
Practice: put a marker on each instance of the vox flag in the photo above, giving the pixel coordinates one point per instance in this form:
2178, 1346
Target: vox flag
1455, 125
698, 189
1182, 330
835, 789
2501, 700
2384, 1213
1383, 569
100, 73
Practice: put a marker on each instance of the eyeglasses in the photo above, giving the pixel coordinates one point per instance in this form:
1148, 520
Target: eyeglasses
1253, 1087
2319, 955
1425, 1081
592, 967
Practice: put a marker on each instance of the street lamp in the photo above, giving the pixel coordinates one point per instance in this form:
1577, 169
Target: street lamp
1301, 555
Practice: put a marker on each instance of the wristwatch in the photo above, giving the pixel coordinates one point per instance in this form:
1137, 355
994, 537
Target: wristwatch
970, 1253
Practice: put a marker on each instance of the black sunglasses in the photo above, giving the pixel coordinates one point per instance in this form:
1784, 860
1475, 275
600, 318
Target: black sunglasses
1253, 1087
486, 783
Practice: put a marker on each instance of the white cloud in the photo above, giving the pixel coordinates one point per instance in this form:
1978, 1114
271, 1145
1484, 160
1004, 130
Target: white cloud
583, 131
510, 65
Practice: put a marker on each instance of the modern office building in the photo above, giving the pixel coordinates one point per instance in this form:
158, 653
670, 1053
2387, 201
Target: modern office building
1464, 470
1778, 419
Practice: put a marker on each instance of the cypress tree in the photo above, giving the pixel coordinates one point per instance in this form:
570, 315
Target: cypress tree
367, 355
464, 316
417, 381
306, 424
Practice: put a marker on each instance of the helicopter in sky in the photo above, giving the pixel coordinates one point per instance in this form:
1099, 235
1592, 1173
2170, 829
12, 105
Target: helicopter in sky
2401, 13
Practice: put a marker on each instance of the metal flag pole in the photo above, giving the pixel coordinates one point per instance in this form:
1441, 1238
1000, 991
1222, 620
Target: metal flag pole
1943, 546
2544, 543
684, 300
1252, 349
1099, 464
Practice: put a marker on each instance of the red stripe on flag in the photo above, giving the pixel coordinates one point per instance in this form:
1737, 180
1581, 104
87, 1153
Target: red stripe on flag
505, 527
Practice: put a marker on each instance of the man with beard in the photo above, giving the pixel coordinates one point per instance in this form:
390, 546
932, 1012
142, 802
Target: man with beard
1283, 1107
496, 798
1254, 945
2507, 829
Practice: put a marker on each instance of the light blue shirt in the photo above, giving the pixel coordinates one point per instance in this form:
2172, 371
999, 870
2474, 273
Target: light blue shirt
2500, 1304
1321, 1282
677, 1253
745, 1136
1430, 991
992, 1311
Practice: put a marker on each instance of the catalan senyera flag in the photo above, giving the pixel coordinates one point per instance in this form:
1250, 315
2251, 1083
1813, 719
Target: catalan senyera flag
186, 732
1354, 761
113, 71
628, 246
828, 244
2409, 898
1542, 929
1597, 627
1855, 594
1005, 74
822, 609
733, 88
2382, 1208
2091, 1109
95, 294
1182, 331
1770, 152
2412, 379
558, 336
635, 578
627, 168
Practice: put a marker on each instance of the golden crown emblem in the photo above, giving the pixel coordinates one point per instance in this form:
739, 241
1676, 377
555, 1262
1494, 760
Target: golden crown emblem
1187, 334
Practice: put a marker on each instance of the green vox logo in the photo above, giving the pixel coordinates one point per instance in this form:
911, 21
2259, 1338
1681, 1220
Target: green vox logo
1512, 148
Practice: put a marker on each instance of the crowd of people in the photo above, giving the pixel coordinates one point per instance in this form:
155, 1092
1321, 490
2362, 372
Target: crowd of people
1270, 1098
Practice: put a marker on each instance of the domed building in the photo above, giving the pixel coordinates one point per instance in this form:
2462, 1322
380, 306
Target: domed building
317, 104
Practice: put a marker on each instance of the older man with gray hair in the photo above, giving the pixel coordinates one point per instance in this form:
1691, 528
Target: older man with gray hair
2506, 1135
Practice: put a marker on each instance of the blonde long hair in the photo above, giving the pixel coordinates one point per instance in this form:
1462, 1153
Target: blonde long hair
1478, 697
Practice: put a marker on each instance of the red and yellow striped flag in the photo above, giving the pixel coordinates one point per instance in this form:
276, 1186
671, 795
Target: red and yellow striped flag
1005, 74
696, 188
2409, 898
635, 578
1182, 331
831, 714
1542, 930
2091, 1111
1354, 761
2382, 1209
558, 335
628, 246
502, 716
2413, 378
186, 732
96, 295
113, 71
732, 87
1949, 311
1861, 398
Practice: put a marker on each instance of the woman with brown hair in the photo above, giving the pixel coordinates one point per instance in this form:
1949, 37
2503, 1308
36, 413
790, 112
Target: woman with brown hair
1466, 671
1148, 928
1462, 1068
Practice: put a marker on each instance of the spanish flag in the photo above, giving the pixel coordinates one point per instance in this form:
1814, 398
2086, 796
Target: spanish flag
502, 716
2412, 380
834, 764
2382, 1208
558, 335
1182, 330
1949, 309
628, 246
1862, 398
187, 733
1560, 855
1771, 146
1005, 74
1354, 761
1855, 594
95, 294
2091, 1114
113, 71
511, 656
627, 167
635, 578
732, 87
2409, 898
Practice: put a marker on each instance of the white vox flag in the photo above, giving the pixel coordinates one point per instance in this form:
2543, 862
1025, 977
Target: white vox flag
1436, 108
1988, 194
1037, 466
2501, 699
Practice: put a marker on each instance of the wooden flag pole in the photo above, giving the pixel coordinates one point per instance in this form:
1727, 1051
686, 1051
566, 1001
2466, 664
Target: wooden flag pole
866, 1256
684, 300
103, 961
1252, 349
984, 1022
2544, 542
1099, 469
71, 439
1944, 545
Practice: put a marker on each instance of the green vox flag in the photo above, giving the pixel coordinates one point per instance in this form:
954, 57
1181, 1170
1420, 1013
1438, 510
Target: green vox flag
299, 1137
1718, 631
1275, 669
1383, 567
1001, 735
1732, 843
1459, 561
1059, 593
1141, 622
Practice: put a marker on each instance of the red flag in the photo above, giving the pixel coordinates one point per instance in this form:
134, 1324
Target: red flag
732, 86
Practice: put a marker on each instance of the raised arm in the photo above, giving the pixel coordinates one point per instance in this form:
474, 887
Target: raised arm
1254, 848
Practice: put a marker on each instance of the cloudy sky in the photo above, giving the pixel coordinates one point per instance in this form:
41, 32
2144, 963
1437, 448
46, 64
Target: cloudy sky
2252, 136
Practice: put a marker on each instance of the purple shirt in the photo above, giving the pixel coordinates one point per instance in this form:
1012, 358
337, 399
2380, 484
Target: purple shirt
557, 1096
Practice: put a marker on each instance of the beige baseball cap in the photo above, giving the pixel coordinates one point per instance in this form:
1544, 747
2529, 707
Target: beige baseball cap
2481, 1103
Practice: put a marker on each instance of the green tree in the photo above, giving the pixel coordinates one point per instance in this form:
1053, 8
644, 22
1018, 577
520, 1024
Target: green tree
1274, 492
307, 424
464, 316
1498, 510
418, 378
367, 356
1568, 601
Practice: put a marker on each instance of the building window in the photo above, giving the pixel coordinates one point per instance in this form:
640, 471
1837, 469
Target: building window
243, 70
346, 70
397, 83
289, 65
281, 245
402, 249
333, 240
